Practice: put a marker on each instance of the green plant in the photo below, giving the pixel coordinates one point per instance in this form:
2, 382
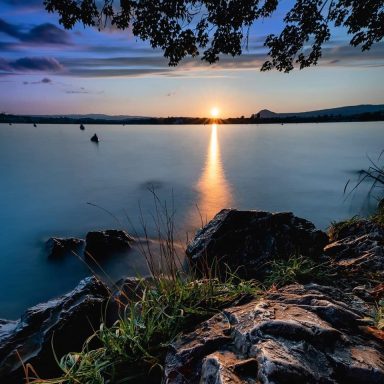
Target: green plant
172, 300
378, 216
374, 174
296, 268
335, 229
139, 339
379, 315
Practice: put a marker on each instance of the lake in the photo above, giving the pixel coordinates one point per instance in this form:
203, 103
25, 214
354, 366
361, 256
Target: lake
50, 174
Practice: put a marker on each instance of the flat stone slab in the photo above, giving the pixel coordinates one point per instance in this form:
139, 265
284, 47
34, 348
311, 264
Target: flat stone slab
299, 334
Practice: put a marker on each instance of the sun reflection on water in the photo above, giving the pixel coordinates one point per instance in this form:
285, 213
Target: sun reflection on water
213, 187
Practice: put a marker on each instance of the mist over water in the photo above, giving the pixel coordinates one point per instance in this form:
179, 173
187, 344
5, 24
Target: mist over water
50, 172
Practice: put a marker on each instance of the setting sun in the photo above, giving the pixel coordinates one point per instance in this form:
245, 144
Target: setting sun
215, 112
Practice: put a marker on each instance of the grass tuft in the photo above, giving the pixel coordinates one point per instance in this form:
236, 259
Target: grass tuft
138, 341
379, 315
378, 216
336, 228
297, 269
373, 174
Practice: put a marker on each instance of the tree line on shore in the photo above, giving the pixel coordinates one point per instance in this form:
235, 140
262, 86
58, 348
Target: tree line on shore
253, 119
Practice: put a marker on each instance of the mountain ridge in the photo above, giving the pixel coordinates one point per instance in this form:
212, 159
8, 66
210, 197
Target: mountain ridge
344, 111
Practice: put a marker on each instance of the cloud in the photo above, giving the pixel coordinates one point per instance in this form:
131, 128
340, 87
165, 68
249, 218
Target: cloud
7, 47
18, 3
9, 29
24, 4
46, 33
348, 56
31, 64
144, 62
134, 66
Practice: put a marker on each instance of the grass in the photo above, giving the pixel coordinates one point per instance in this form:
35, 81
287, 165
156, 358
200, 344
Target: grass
336, 228
171, 301
373, 174
378, 216
379, 315
297, 269
138, 341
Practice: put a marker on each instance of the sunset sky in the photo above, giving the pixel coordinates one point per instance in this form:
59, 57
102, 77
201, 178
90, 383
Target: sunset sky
47, 70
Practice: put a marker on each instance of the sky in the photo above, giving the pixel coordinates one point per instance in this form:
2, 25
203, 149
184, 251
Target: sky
45, 69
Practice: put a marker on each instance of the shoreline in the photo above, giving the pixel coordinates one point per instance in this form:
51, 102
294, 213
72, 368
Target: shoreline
365, 117
241, 240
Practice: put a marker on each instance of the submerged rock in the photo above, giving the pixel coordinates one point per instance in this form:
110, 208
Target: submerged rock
247, 241
299, 334
65, 322
102, 243
57, 246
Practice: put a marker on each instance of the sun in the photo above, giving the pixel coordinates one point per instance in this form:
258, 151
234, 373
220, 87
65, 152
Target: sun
215, 112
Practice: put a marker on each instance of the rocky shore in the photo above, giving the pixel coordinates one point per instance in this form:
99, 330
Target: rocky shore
313, 330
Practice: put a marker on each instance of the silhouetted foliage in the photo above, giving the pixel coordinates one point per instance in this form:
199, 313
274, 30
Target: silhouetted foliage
253, 119
184, 27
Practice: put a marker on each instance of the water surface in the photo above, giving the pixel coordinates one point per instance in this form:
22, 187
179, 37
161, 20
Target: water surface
50, 172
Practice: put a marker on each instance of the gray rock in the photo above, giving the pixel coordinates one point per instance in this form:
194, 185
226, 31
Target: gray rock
299, 334
58, 247
358, 251
66, 321
101, 243
247, 241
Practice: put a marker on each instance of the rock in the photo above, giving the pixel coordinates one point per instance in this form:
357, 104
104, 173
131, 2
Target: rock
358, 251
6, 326
357, 228
69, 320
102, 243
95, 138
298, 334
82, 127
247, 241
58, 246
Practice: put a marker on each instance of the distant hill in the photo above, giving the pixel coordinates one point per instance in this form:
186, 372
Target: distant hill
340, 111
94, 116
342, 114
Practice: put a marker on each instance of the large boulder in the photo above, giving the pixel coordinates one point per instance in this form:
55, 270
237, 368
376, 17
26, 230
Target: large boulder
103, 243
65, 322
57, 246
247, 241
298, 334
357, 251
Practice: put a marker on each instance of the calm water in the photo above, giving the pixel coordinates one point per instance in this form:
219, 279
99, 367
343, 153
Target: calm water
50, 173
